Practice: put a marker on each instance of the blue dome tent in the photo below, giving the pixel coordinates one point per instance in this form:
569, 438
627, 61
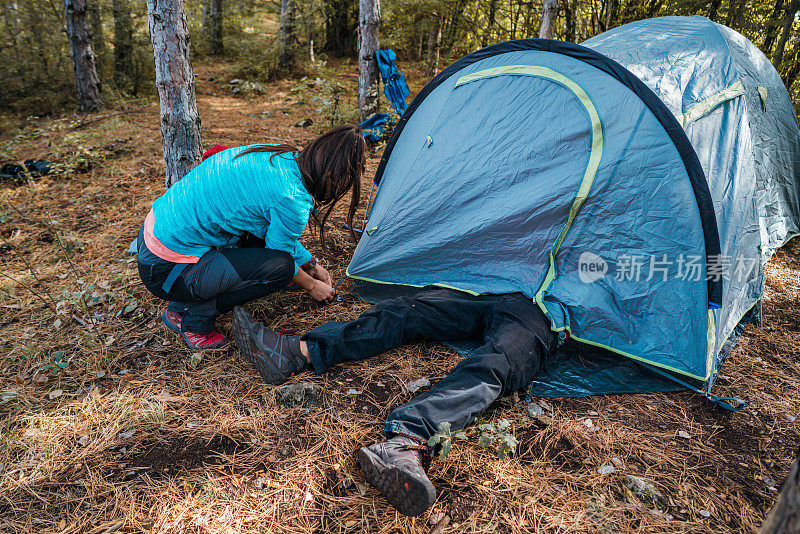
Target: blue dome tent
555, 170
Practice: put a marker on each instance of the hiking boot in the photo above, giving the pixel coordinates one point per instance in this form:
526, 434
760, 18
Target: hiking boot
276, 356
397, 468
212, 340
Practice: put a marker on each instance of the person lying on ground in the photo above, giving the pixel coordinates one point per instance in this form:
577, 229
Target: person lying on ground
515, 337
229, 231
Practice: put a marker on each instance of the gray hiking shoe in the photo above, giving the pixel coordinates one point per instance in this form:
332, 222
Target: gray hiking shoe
276, 356
397, 468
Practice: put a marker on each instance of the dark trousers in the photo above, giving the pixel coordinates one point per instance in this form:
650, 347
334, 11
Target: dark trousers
222, 279
515, 337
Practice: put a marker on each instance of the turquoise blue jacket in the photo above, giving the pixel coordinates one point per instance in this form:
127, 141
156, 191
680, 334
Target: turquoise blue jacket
222, 198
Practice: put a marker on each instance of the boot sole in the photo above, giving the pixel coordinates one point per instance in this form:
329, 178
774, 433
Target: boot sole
410, 495
250, 350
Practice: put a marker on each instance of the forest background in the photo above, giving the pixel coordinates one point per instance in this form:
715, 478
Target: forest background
38, 78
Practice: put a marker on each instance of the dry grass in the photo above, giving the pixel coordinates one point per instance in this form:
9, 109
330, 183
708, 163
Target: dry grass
133, 435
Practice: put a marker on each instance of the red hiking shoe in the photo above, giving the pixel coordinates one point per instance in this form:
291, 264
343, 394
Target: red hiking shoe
212, 340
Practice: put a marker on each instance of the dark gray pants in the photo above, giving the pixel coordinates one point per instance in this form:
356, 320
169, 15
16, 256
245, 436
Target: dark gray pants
515, 338
222, 279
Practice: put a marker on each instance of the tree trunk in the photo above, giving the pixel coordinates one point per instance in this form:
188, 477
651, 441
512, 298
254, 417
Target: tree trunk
434, 45
123, 44
369, 18
549, 11
653, 8
287, 34
735, 8
773, 24
785, 516
713, 10
180, 122
340, 27
83, 60
569, 16
98, 37
788, 22
486, 38
514, 18
612, 14
450, 23
790, 75
214, 28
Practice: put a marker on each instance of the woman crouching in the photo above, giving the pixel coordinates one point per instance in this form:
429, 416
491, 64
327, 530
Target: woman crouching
229, 231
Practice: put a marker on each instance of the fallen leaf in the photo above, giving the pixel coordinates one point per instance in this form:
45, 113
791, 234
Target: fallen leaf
415, 385
535, 410
435, 517
56, 393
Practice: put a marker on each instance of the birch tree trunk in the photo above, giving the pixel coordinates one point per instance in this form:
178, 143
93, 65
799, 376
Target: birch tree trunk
369, 18
549, 11
785, 516
180, 122
287, 34
84, 63
215, 43
434, 45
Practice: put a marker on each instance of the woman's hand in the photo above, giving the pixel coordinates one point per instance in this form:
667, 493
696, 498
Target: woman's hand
321, 291
322, 274
317, 282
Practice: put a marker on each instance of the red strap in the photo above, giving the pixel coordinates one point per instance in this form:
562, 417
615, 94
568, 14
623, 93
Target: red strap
213, 150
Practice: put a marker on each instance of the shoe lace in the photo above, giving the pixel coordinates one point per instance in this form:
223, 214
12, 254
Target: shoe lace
421, 449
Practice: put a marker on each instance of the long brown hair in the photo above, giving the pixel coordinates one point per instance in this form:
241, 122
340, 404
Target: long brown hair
331, 165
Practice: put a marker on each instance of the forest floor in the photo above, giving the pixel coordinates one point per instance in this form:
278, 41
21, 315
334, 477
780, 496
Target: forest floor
109, 424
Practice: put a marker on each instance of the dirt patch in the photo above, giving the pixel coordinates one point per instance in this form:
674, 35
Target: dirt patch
182, 454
